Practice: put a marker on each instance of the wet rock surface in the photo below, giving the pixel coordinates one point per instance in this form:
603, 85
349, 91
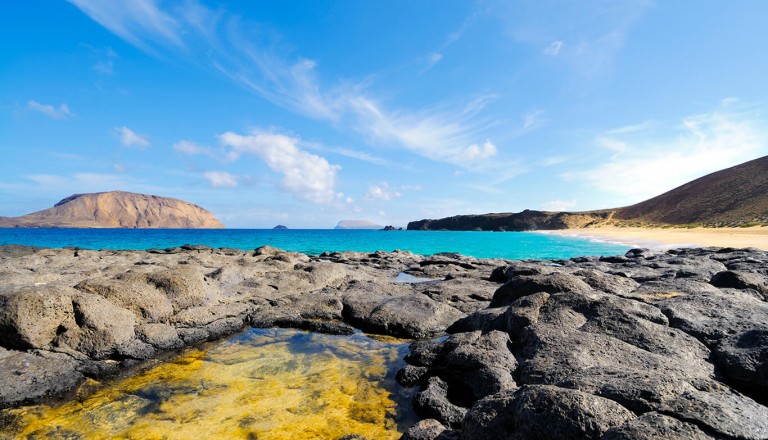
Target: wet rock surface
644, 345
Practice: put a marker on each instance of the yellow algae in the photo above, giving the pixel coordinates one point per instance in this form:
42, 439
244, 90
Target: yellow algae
264, 384
660, 295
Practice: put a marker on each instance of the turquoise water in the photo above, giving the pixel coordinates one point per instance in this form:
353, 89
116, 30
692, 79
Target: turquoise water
511, 245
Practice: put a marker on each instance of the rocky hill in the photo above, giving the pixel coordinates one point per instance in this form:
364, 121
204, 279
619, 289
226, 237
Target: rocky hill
731, 197
116, 209
735, 196
357, 224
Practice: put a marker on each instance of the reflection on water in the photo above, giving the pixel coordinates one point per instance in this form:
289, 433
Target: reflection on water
262, 384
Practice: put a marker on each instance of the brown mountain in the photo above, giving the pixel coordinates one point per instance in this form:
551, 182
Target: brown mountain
117, 209
731, 197
735, 196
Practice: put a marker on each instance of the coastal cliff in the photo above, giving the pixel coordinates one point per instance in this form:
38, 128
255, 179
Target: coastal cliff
117, 209
527, 220
736, 196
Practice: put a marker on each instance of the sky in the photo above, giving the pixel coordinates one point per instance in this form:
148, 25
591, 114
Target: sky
304, 113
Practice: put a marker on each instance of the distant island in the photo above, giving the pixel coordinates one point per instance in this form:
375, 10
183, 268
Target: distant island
733, 197
117, 209
357, 224
280, 227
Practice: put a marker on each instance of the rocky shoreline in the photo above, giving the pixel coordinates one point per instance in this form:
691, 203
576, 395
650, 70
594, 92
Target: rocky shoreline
646, 345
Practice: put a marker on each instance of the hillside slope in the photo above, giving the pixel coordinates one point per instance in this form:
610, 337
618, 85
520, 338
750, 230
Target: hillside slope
117, 209
734, 196
730, 197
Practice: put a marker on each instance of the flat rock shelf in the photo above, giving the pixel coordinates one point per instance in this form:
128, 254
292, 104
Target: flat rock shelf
643, 345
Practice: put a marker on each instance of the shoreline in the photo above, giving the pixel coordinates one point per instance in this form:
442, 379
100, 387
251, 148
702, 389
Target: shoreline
669, 238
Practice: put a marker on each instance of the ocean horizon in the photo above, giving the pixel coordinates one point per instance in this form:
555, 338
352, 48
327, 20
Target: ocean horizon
507, 245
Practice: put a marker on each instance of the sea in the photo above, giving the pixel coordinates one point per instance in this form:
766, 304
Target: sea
507, 245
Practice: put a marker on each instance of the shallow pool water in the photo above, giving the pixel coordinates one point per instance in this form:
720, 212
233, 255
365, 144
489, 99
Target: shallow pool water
261, 384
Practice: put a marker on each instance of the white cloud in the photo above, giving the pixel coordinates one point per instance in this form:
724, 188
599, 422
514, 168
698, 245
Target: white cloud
191, 31
476, 152
136, 21
595, 31
532, 120
650, 165
554, 160
435, 58
82, 182
361, 155
306, 176
190, 148
558, 205
440, 136
56, 113
382, 191
554, 48
220, 179
130, 138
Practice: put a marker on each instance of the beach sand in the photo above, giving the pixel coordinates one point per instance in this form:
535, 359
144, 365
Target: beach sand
669, 238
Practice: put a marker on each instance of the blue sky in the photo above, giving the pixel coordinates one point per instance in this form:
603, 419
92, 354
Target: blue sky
304, 113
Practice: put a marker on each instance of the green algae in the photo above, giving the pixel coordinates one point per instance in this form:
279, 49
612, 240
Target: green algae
262, 384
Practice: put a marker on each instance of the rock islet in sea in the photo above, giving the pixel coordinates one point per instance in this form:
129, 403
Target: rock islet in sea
645, 345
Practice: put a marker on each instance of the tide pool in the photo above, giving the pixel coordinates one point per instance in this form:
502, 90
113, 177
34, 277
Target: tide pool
509, 245
270, 384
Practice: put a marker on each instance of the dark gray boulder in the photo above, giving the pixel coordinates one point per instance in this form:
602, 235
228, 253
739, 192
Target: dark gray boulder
655, 426
711, 316
543, 412
30, 376
102, 327
473, 365
433, 402
741, 280
743, 359
408, 316
524, 285
483, 320
429, 429
32, 317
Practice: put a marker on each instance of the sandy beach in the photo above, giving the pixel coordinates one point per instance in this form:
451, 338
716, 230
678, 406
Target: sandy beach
668, 238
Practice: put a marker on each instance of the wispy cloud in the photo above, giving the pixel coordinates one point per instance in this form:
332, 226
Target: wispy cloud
361, 155
475, 152
440, 136
218, 39
434, 58
533, 120
62, 112
381, 191
305, 175
190, 148
559, 205
130, 138
81, 182
554, 160
554, 48
592, 32
105, 64
140, 22
220, 179
648, 165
